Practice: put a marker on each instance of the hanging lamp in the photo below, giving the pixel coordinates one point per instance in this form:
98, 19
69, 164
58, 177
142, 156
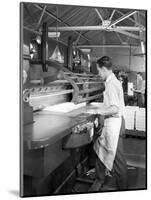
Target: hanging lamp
56, 55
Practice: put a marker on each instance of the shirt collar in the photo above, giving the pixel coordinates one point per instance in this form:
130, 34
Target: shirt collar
110, 77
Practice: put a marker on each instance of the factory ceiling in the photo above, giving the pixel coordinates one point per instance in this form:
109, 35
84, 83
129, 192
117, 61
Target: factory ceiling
88, 26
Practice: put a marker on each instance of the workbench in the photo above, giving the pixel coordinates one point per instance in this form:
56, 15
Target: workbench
49, 127
45, 161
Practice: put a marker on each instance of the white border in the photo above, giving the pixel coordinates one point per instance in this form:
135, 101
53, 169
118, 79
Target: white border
9, 88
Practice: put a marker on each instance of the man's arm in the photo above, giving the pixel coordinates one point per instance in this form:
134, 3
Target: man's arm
112, 110
136, 91
142, 90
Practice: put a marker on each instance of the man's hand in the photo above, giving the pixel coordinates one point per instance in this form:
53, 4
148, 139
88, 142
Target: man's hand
112, 110
136, 91
96, 111
92, 111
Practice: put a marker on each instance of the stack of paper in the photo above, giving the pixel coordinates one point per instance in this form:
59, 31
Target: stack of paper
64, 107
130, 112
140, 119
134, 108
130, 89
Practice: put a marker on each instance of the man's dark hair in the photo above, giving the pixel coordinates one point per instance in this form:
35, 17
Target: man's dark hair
105, 61
140, 74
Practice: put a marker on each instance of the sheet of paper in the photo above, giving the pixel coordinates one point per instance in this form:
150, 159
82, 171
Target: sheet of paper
130, 89
94, 107
64, 107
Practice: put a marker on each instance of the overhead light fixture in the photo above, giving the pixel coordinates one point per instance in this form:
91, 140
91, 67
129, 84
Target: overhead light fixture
56, 56
38, 39
53, 34
125, 43
89, 63
86, 50
143, 47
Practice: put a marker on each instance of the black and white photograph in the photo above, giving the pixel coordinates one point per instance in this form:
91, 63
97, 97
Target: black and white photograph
83, 99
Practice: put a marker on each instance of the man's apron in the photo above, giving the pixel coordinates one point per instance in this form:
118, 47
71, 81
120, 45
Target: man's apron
105, 146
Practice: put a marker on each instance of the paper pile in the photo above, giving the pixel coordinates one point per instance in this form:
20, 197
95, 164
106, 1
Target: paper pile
130, 89
130, 112
64, 107
140, 119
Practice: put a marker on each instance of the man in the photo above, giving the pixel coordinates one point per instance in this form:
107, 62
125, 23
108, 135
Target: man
140, 90
108, 146
120, 79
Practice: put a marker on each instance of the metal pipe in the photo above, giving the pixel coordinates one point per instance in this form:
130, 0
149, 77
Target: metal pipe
40, 33
104, 46
130, 58
42, 14
122, 18
119, 37
128, 34
59, 20
78, 38
94, 28
129, 18
32, 30
112, 14
59, 41
100, 16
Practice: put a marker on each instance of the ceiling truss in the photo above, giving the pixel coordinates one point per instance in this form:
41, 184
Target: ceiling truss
59, 20
112, 27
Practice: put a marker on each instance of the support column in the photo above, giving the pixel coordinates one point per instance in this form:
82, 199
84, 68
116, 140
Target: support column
44, 46
69, 53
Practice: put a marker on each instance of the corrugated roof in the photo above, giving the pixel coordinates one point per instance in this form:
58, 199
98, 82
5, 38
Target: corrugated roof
84, 16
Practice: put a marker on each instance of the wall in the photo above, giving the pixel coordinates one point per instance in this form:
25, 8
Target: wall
122, 60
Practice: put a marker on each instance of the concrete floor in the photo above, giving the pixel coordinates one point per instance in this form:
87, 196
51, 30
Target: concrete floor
135, 153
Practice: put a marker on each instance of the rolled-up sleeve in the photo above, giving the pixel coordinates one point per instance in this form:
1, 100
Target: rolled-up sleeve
113, 96
143, 87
